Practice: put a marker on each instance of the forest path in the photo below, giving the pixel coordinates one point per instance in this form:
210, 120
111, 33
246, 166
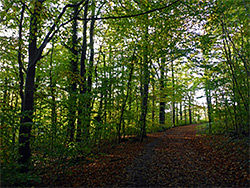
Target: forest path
180, 159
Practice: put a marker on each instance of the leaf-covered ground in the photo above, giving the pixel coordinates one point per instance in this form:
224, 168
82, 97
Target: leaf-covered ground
178, 157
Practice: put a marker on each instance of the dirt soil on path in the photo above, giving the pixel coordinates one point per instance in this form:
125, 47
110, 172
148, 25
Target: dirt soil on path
181, 158
178, 157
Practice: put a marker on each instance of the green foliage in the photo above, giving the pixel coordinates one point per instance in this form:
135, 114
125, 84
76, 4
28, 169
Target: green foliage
204, 47
11, 176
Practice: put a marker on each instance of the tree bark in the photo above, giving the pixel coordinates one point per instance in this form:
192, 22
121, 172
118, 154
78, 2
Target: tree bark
82, 112
28, 98
73, 89
189, 109
20, 54
162, 86
209, 103
185, 114
124, 103
145, 84
181, 118
53, 102
173, 100
153, 100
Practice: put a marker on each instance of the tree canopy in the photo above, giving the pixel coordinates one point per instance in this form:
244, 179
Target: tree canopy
76, 73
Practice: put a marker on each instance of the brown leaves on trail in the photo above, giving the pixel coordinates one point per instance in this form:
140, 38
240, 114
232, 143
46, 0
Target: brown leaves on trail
178, 157
108, 168
184, 159
229, 159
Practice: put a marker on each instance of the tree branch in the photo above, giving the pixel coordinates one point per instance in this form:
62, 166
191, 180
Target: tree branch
52, 28
133, 15
51, 34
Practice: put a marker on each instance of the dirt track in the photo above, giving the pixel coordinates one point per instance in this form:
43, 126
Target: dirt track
180, 159
175, 158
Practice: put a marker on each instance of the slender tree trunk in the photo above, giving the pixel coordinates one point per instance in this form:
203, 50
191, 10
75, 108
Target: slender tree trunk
90, 71
177, 116
181, 118
102, 110
190, 109
235, 100
238, 96
225, 111
110, 85
185, 112
53, 102
209, 104
124, 103
73, 90
162, 102
83, 89
92, 52
153, 100
20, 54
173, 100
145, 85
105, 85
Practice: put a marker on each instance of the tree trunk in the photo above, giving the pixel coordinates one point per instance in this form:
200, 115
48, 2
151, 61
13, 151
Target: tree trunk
74, 60
124, 103
28, 100
91, 58
83, 89
189, 109
162, 102
209, 104
153, 100
20, 54
181, 118
173, 100
177, 116
145, 85
53, 103
90, 73
185, 113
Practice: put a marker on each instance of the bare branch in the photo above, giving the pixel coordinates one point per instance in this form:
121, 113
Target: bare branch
133, 15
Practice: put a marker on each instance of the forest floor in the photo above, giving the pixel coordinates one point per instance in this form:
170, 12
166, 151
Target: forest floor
178, 157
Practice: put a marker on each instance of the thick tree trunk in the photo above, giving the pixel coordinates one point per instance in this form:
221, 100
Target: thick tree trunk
28, 98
